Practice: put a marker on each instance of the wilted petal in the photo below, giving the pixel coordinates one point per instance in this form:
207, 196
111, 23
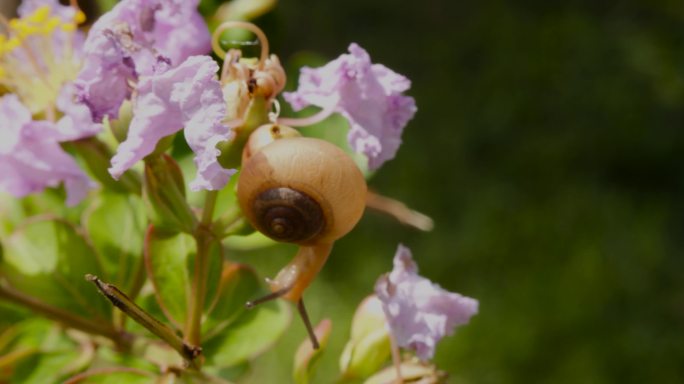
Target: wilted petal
31, 158
368, 95
188, 95
419, 312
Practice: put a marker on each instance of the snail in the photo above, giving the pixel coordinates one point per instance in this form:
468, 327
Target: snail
299, 190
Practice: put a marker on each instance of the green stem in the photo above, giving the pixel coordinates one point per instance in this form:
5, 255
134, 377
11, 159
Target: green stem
209, 205
66, 318
163, 331
204, 239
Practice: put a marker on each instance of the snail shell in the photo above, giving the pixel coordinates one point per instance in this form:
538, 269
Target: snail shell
301, 190
264, 135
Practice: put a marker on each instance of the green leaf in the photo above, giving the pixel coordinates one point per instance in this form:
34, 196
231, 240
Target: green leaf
169, 260
37, 351
10, 314
253, 333
166, 258
15, 211
238, 284
306, 357
48, 259
20, 342
116, 226
232, 373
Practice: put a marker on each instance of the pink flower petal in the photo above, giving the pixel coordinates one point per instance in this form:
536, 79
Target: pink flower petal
187, 96
31, 158
131, 41
368, 95
419, 312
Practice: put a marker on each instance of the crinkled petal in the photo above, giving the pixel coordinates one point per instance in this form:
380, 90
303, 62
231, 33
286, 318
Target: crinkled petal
368, 95
106, 76
130, 41
204, 109
31, 158
419, 312
188, 95
180, 31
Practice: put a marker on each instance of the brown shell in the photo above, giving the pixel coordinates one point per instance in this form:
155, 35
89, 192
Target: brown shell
307, 169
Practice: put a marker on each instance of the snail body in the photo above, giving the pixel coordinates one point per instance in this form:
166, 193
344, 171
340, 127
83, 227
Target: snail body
299, 190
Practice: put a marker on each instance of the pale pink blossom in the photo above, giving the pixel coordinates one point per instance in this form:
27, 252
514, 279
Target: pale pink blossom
31, 158
420, 313
133, 40
370, 96
187, 96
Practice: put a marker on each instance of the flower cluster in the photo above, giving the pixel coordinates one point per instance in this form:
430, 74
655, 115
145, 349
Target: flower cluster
145, 65
144, 51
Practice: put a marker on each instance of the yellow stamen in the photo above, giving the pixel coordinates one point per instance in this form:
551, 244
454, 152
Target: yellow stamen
68, 27
80, 17
29, 66
39, 16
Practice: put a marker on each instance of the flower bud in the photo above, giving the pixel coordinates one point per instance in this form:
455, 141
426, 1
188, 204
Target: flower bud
412, 371
164, 195
307, 357
231, 151
369, 347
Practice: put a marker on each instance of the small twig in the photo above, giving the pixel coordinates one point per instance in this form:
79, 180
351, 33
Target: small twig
163, 331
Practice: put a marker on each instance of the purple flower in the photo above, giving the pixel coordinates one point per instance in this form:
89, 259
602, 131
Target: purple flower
187, 96
368, 95
31, 158
419, 312
133, 40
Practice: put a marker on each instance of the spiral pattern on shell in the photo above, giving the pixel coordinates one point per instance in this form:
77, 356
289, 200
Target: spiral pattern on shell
288, 215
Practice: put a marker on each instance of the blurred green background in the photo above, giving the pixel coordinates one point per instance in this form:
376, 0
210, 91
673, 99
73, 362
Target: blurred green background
547, 148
